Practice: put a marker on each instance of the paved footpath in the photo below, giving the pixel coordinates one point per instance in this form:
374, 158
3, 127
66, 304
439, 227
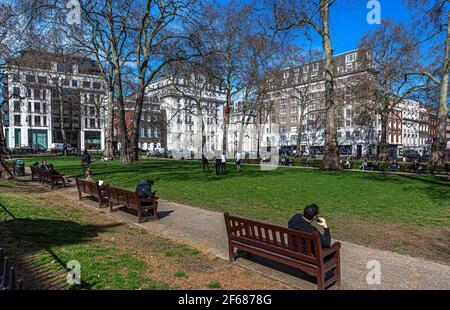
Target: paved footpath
206, 230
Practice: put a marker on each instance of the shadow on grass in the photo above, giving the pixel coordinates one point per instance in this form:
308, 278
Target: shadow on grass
30, 236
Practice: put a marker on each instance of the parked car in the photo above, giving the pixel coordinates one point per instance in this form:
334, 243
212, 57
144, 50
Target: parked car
411, 155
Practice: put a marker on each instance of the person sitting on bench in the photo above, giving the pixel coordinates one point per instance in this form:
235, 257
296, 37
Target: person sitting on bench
44, 166
144, 191
56, 173
88, 176
304, 223
347, 164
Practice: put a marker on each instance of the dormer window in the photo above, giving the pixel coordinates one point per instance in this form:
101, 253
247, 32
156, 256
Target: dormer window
286, 74
350, 57
315, 67
305, 69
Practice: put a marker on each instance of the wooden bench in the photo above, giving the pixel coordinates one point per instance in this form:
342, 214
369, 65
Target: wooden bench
52, 179
92, 189
129, 199
281, 244
35, 173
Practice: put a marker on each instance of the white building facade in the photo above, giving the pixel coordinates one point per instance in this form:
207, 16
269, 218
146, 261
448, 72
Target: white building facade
36, 82
188, 110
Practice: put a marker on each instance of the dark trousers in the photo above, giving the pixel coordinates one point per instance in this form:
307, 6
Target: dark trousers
205, 165
223, 167
218, 166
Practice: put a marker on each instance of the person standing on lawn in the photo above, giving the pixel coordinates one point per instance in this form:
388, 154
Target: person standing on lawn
205, 163
86, 160
238, 161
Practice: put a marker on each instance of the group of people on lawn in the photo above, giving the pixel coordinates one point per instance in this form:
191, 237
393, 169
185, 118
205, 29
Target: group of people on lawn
220, 163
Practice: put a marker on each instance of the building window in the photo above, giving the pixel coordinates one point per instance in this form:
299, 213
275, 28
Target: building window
16, 91
283, 120
16, 106
350, 57
44, 121
28, 92
305, 69
42, 80
92, 122
37, 121
74, 83
37, 107
315, 67
17, 121
86, 84
349, 67
30, 79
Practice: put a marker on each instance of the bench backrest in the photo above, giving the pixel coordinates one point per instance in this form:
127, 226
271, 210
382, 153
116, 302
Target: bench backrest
274, 238
123, 197
87, 187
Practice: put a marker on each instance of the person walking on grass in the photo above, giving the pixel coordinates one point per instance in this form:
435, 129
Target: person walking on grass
238, 161
205, 163
223, 163
85, 160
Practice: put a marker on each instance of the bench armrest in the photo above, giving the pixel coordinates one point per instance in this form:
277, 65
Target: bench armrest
333, 249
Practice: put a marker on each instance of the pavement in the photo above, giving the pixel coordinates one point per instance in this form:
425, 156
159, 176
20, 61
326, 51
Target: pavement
206, 231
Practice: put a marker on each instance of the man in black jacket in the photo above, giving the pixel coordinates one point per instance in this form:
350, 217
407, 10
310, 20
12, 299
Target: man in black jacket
303, 223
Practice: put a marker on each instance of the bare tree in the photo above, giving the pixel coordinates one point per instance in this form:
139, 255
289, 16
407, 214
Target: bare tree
159, 39
432, 27
291, 15
391, 55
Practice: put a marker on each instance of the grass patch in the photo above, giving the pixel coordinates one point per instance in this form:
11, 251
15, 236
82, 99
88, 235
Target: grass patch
214, 284
350, 201
180, 274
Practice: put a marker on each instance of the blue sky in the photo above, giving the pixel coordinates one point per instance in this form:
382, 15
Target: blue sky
348, 21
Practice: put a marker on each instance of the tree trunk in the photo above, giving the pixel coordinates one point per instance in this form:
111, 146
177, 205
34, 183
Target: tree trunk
61, 120
135, 127
226, 120
383, 151
298, 149
109, 132
438, 149
331, 148
124, 139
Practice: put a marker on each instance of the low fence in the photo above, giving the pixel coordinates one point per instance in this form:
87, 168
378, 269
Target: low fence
8, 276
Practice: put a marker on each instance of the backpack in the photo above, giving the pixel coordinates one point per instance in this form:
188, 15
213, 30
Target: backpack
144, 189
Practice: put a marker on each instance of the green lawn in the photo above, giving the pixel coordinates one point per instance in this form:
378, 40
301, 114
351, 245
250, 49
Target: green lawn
366, 208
